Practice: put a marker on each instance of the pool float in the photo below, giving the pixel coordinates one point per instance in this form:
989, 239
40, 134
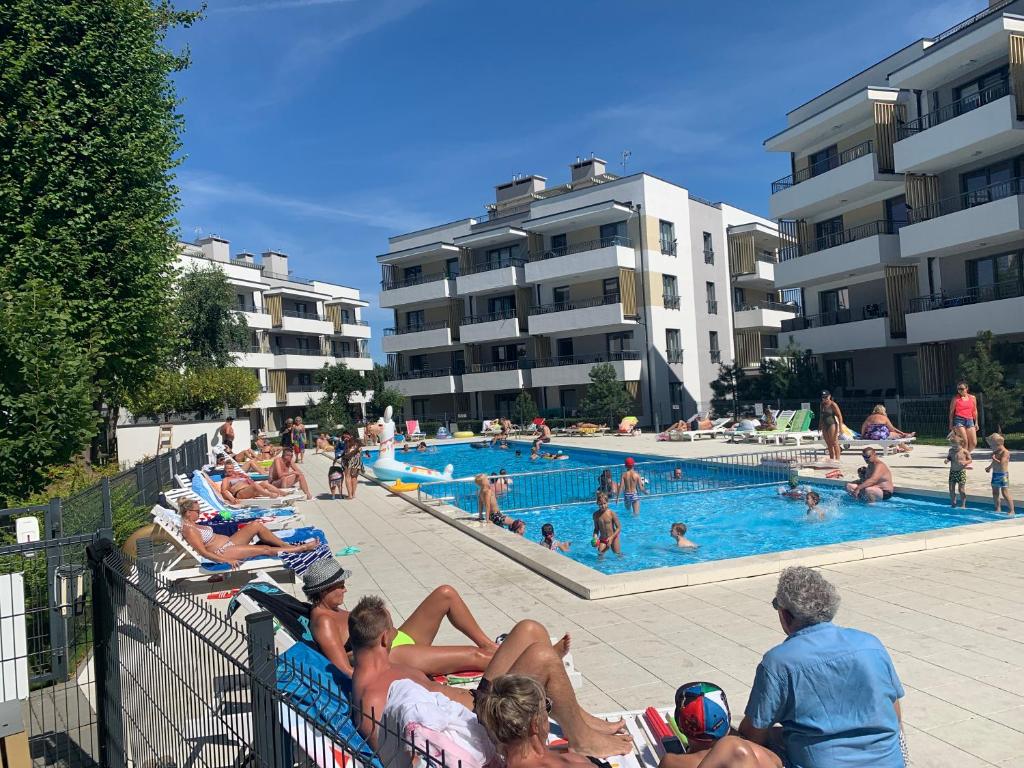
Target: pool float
399, 487
463, 434
442, 434
387, 467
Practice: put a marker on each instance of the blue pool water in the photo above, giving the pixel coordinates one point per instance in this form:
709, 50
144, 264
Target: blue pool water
728, 523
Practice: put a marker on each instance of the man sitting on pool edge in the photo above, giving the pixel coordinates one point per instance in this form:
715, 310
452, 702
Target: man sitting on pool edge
877, 484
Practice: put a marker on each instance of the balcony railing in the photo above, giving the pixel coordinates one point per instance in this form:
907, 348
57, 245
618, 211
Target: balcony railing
251, 308
420, 279
589, 245
492, 317
426, 373
712, 307
837, 317
507, 213
776, 306
356, 354
770, 352
308, 352
289, 277
608, 357
305, 388
674, 355
823, 166
972, 199
565, 306
492, 264
249, 349
504, 365
300, 314
767, 257
434, 326
671, 302
823, 243
716, 355
709, 256
962, 106
1006, 289
669, 247
354, 322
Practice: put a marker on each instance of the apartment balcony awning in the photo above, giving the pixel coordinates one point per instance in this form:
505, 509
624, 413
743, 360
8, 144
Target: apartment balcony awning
341, 300
944, 61
605, 212
843, 119
294, 290
427, 251
490, 237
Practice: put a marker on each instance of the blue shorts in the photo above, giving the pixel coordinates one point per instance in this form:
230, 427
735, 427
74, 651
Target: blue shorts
1000, 479
630, 497
960, 421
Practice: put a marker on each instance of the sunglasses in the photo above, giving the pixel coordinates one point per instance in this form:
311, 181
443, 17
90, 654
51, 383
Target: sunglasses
547, 705
775, 604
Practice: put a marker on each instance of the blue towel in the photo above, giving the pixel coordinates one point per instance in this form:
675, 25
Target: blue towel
201, 487
300, 561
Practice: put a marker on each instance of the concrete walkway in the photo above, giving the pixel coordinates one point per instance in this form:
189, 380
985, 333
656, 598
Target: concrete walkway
953, 619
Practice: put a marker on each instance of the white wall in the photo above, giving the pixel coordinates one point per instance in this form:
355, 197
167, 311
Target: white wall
138, 441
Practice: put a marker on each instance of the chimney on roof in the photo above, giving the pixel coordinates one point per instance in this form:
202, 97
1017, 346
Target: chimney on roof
588, 168
518, 187
246, 258
215, 248
275, 262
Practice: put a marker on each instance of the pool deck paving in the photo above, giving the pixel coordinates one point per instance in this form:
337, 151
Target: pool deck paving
953, 619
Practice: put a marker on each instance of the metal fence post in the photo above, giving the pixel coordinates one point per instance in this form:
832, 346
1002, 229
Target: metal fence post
54, 523
147, 586
266, 727
981, 415
140, 483
109, 725
107, 529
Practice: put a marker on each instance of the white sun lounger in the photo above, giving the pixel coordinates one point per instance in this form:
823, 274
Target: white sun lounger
888, 446
717, 428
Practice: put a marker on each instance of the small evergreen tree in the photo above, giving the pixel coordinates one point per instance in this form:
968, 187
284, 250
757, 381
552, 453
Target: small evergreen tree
524, 410
985, 375
606, 395
728, 389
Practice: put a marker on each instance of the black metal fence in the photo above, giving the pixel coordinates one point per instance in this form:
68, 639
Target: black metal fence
179, 683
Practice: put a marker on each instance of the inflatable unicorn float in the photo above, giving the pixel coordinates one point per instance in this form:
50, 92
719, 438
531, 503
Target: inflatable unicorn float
386, 467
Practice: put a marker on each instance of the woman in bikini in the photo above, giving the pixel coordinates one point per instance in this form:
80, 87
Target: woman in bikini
238, 546
963, 416
238, 485
831, 420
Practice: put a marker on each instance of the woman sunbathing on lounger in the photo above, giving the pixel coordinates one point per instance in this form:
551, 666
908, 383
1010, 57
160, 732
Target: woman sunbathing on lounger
238, 546
324, 585
878, 427
238, 485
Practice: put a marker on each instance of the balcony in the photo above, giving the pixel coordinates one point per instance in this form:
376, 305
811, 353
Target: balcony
423, 336
587, 260
709, 256
491, 327
765, 316
852, 174
496, 376
715, 355
420, 289
604, 313
859, 250
255, 317
305, 322
356, 329
488, 276
673, 356
840, 331
670, 302
761, 276
991, 215
942, 317
575, 369
300, 358
983, 122
253, 357
439, 381
712, 307
356, 361
301, 394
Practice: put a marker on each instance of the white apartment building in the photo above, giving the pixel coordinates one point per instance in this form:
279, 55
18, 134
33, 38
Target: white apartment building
296, 327
631, 271
902, 217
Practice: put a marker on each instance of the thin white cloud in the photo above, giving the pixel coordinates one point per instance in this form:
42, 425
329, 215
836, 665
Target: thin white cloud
276, 5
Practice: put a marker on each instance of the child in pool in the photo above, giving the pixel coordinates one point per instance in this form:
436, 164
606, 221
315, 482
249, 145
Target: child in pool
678, 532
813, 499
487, 507
336, 480
959, 460
547, 532
421, 446
607, 528
1000, 469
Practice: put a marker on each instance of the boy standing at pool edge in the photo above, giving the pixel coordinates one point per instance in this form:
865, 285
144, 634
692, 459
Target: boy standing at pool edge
959, 460
1000, 469
631, 485
607, 528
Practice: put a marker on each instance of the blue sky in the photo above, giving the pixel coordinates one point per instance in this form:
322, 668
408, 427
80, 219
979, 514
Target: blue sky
321, 127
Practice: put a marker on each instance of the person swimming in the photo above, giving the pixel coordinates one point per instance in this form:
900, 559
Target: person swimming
813, 499
678, 532
547, 532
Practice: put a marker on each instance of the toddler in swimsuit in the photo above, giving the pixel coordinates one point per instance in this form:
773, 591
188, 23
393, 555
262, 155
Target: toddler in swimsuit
1000, 469
959, 461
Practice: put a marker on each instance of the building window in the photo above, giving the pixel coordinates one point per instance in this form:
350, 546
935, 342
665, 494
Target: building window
983, 185
412, 274
834, 301
346, 316
414, 319
501, 305
675, 395
610, 289
823, 160
416, 362
304, 380
673, 345
613, 234
839, 373
619, 342
563, 348
502, 257
995, 277
667, 236
560, 295
709, 249
419, 407
559, 245
567, 399
979, 92
897, 213
670, 291
451, 267
738, 298
241, 301
712, 299
716, 353
828, 233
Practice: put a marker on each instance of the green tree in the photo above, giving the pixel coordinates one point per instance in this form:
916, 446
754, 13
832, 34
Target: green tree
524, 409
207, 391
46, 391
339, 383
384, 397
727, 391
210, 332
89, 135
985, 375
606, 395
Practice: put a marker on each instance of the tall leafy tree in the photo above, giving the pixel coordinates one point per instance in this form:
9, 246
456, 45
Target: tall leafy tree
339, 383
606, 395
985, 374
210, 331
89, 135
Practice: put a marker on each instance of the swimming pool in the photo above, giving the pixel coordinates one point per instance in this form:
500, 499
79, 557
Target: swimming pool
727, 523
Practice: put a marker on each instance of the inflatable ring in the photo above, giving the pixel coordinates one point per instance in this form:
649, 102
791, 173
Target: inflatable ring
462, 434
400, 487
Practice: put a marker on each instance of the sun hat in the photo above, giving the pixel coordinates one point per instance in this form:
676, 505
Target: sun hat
324, 574
702, 714
629, 461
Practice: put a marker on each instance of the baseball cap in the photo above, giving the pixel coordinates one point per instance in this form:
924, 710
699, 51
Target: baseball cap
629, 461
701, 714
